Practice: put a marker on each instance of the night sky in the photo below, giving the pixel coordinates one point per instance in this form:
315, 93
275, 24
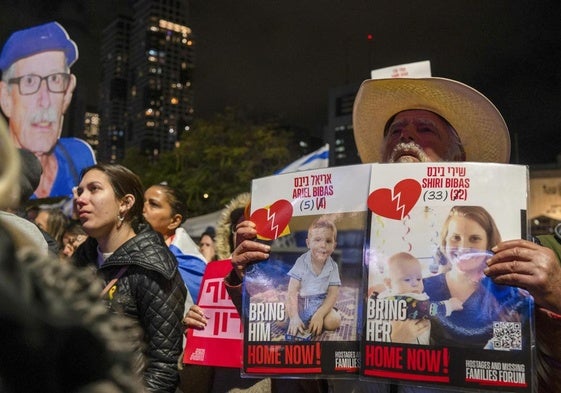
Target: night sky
279, 58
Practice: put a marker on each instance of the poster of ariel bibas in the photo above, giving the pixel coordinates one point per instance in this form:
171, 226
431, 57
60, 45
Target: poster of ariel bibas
301, 307
431, 317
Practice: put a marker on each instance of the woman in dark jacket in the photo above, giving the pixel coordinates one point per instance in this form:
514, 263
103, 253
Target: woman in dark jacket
140, 273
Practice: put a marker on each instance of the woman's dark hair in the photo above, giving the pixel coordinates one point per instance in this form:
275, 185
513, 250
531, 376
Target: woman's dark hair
209, 234
56, 223
477, 214
124, 181
74, 228
176, 200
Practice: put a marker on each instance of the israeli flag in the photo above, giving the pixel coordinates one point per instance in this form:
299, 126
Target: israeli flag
314, 160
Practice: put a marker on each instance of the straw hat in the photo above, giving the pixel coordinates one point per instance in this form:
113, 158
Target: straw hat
480, 126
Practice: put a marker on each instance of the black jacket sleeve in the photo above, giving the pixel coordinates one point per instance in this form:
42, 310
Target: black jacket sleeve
160, 304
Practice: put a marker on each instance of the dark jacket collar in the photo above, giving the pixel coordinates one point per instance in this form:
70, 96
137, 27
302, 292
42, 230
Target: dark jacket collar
147, 250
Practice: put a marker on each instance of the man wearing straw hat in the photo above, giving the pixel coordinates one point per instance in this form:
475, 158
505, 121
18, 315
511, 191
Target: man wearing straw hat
437, 119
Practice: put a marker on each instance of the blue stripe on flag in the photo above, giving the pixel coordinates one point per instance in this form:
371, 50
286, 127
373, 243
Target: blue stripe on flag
314, 160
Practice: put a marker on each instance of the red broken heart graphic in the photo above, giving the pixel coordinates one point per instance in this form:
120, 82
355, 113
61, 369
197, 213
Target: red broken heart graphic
395, 204
271, 222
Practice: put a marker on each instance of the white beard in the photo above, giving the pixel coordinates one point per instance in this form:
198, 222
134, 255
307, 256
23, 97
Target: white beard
408, 152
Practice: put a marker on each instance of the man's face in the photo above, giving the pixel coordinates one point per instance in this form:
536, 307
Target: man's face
36, 119
419, 136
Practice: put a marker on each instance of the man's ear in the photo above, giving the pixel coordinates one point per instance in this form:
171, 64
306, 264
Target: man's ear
175, 222
68, 94
5, 99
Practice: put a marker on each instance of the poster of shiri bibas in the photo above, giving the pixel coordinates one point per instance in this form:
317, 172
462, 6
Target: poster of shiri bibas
301, 307
431, 316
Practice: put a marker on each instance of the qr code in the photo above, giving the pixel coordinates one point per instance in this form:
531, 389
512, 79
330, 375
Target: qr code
507, 336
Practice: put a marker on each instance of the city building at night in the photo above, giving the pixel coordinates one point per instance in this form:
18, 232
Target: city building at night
114, 89
146, 94
91, 130
339, 130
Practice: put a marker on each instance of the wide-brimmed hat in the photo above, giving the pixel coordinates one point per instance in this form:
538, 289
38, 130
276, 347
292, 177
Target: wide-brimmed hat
479, 124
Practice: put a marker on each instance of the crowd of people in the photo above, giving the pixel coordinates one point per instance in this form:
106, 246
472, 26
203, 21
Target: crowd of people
101, 300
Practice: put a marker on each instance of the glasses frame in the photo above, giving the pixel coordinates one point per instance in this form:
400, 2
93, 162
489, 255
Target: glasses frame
64, 75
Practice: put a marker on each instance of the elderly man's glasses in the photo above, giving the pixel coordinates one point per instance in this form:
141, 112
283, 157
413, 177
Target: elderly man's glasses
30, 84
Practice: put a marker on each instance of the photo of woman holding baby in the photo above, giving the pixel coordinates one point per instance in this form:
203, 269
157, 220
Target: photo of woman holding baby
467, 236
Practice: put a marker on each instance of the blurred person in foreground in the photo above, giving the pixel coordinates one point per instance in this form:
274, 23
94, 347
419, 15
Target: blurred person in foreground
56, 334
138, 269
28, 180
437, 119
35, 92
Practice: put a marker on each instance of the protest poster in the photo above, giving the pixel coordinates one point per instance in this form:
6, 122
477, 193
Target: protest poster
431, 317
219, 343
301, 307
38, 50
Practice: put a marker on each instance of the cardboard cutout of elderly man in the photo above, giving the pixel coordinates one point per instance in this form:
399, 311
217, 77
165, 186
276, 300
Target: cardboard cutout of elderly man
35, 92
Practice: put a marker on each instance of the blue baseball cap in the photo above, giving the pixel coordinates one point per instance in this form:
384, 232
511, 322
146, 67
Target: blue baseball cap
43, 38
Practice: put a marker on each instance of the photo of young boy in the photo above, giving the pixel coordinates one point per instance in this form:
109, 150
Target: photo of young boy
314, 284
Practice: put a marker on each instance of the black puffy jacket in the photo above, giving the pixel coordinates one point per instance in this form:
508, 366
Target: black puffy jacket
150, 291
